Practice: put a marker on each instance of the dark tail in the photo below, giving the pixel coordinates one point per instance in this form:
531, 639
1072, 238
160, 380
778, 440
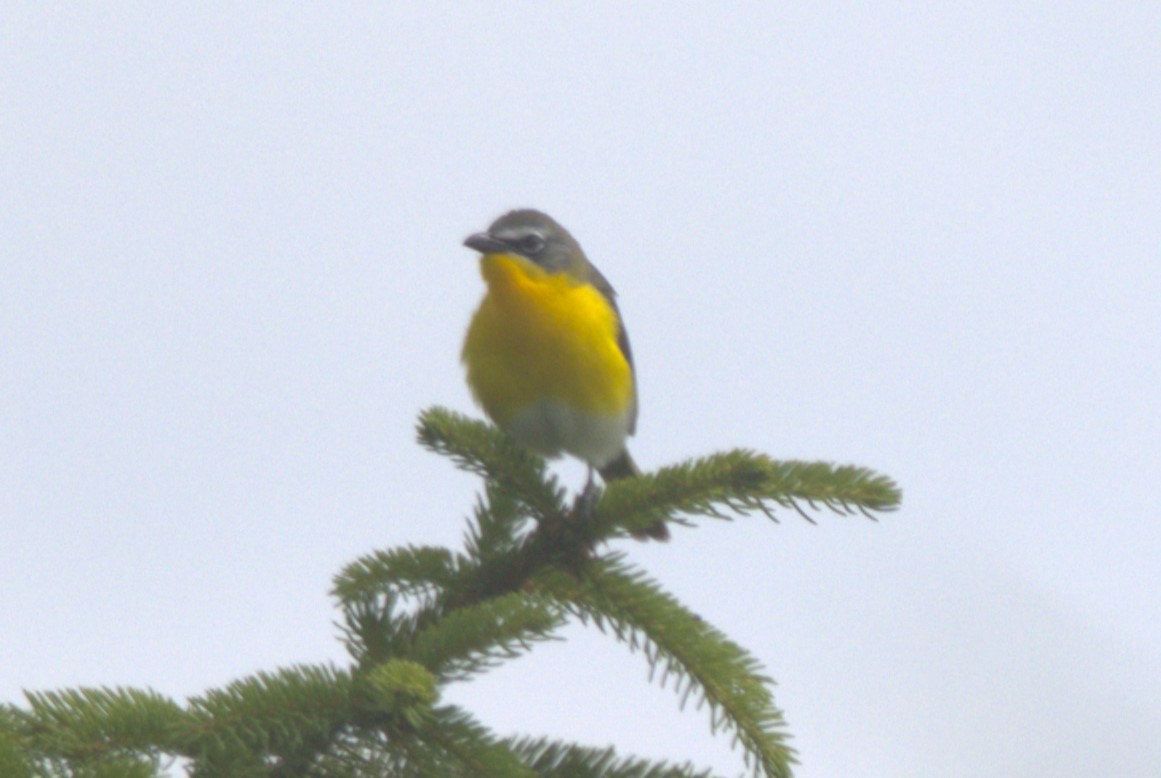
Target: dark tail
624, 467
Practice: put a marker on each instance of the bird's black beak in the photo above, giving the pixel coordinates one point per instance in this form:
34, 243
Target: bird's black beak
486, 244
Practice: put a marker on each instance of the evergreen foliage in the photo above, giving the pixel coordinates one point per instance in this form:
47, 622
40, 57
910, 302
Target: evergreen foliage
414, 619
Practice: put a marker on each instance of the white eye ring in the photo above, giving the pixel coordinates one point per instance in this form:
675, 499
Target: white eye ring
530, 243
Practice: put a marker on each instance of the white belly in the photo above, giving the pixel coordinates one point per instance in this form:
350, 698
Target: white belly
551, 428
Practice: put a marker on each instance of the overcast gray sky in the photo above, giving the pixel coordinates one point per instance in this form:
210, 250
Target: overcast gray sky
920, 237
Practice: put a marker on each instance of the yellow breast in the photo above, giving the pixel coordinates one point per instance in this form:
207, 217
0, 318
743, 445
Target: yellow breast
544, 336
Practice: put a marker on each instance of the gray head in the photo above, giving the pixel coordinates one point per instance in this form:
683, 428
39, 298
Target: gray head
535, 236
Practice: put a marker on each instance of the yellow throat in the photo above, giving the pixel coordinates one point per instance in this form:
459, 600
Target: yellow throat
543, 340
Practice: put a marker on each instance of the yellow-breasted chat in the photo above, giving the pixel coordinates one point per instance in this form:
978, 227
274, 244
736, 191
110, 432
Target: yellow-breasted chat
547, 353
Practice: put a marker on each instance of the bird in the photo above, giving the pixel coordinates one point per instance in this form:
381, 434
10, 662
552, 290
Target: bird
546, 353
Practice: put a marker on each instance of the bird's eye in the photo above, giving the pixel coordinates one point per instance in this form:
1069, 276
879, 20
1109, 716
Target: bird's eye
530, 244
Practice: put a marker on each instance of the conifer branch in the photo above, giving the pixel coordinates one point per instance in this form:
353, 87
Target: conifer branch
552, 759
498, 525
403, 571
740, 482
289, 716
463, 623
696, 657
470, 748
417, 618
370, 589
14, 757
372, 629
90, 725
473, 638
480, 448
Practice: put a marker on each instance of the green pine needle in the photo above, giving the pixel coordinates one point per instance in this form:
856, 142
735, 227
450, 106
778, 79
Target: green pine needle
471, 750
290, 714
417, 618
741, 482
480, 448
689, 653
552, 759
407, 571
474, 638
89, 723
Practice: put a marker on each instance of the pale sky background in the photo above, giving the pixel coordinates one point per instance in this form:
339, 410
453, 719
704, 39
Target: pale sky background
917, 237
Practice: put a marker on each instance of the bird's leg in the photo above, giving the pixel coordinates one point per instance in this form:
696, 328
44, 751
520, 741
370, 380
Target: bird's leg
587, 500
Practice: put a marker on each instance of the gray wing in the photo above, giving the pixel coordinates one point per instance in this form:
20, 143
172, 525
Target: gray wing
605, 288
